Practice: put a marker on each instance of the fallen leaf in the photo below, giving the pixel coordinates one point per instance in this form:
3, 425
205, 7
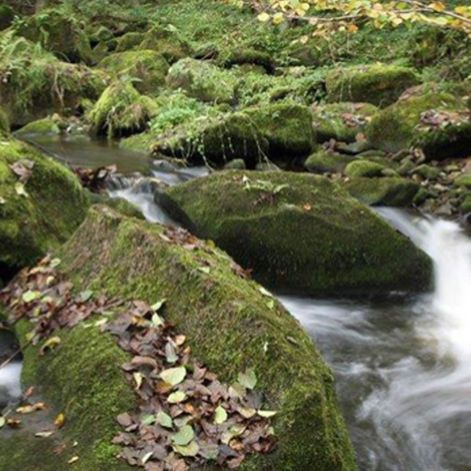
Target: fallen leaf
184, 436
220, 415
50, 344
248, 379
164, 420
59, 421
31, 408
176, 397
45, 434
266, 414
20, 189
173, 376
189, 450
73, 460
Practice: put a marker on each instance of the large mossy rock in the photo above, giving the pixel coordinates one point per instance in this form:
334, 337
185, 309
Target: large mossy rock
379, 84
40, 213
301, 232
41, 85
325, 161
121, 111
217, 139
201, 80
287, 126
385, 191
341, 121
436, 122
230, 325
148, 68
59, 33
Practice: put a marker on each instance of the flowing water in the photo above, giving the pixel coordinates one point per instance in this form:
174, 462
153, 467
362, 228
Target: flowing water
403, 366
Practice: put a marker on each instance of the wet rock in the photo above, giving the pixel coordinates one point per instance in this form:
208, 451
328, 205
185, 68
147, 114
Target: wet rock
46, 126
364, 168
379, 84
303, 233
428, 172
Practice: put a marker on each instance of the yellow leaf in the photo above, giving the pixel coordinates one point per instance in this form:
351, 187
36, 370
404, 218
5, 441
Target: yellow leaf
263, 17
438, 6
59, 421
278, 18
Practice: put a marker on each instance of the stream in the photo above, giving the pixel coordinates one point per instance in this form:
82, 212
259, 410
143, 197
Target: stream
402, 365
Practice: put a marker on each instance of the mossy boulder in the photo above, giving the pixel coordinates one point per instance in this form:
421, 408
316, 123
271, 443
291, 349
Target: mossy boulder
147, 68
302, 233
41, 85
39, 214
436, 122
341, 121
168, 41
248, 56
287, 126
427, 171
325, 161
364, 168
466, 204
132, 259
48, 125
201, 80
463, 180
379, 84
217, 139
59, 33
121, 111
386, 191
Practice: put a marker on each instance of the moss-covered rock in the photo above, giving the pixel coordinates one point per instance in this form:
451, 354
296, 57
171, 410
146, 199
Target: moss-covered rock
168, 41
325, 161
287, 126
341, 121
303, 233
60, 33
125, 257
248, 56
39, 84
364, 168
48, 125
463, 180
129, 41
387, 191
148, 68
201, 80
121, 110
427, 171
216, 139
466, 204
379, 84
407, 123
41, 213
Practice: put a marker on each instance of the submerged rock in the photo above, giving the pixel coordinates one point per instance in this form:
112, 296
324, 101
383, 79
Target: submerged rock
121, 111
436, 122
147, 69
379, 84
229, 323
302, 233
41, 204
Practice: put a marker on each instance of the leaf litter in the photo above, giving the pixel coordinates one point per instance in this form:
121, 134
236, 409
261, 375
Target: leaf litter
186, 416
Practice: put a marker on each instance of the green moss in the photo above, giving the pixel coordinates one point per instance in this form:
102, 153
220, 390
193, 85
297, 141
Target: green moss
121, 110
463, 180
129, 41
379, 84
364, 168
399, 126
202, 80
228, 325
287, 126
34, 224
168, 41
148, 68
244, 56
4, 122
466, 204
58, 32
7, 14
426, 171
303, 233
42, 126
39, 85
341, 121
388, 191
324, 161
